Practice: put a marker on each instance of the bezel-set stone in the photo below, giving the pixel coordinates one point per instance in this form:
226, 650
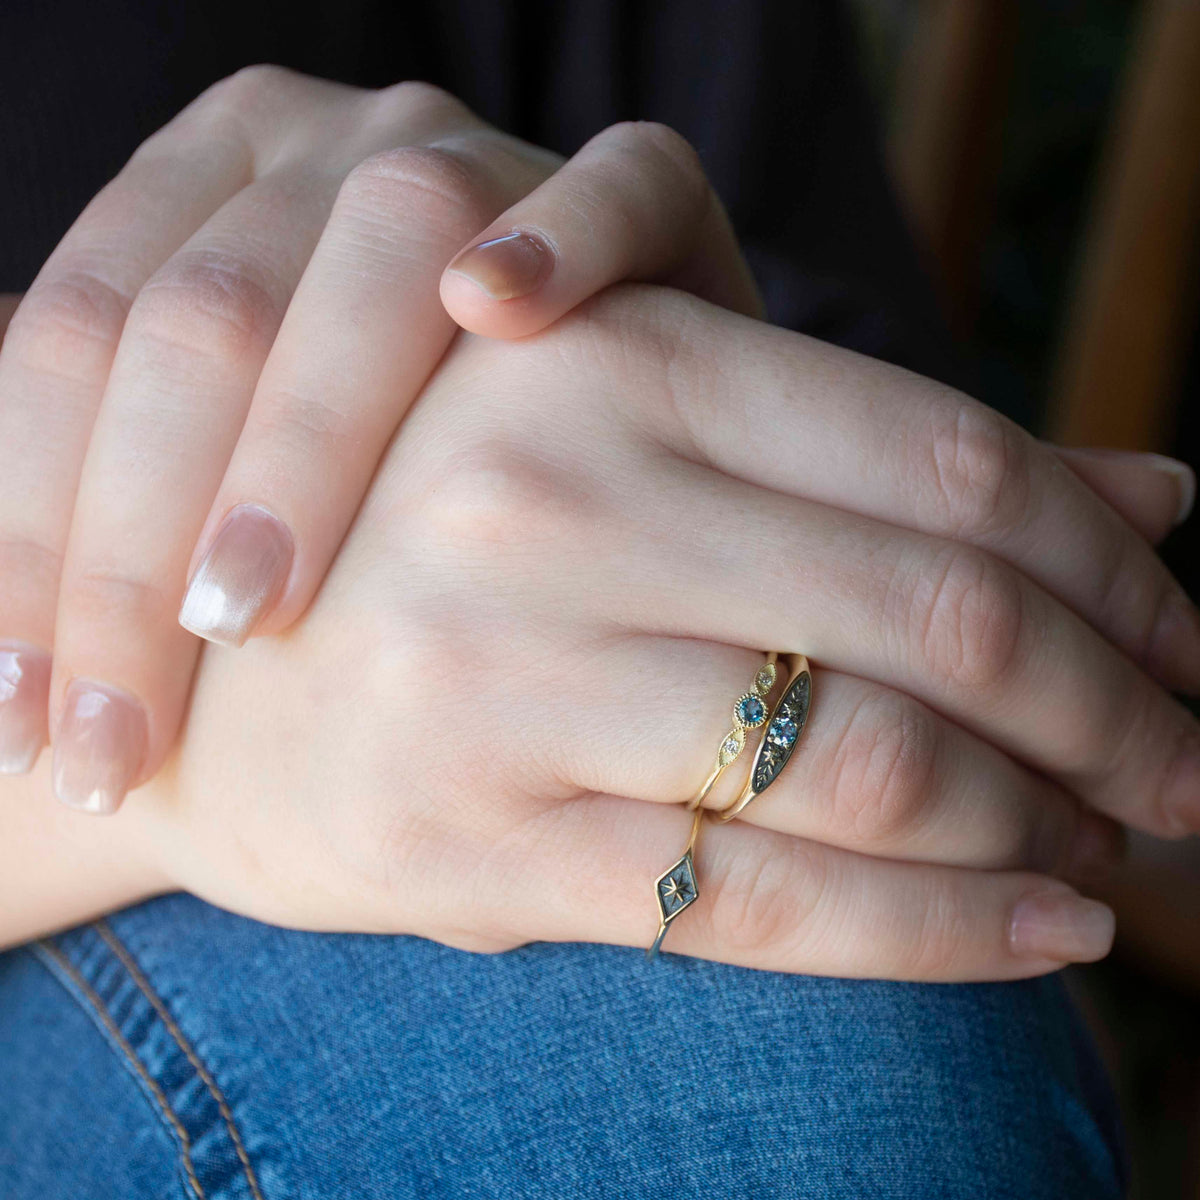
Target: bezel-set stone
731, 747
764, 681
750, 711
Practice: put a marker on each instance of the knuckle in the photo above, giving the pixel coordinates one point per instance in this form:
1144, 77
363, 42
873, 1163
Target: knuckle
885, 769
425, 185
31, 565
942, 937
209, 304
1129, 738
499, 493
657, 137
67, 319
981, 467
660, 329
763, 904
685, 175
969, 618
303, 426
109, 597
249, 87
418, 101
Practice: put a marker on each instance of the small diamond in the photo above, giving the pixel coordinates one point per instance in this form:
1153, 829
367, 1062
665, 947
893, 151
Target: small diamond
764, 681
730, 749
750, 711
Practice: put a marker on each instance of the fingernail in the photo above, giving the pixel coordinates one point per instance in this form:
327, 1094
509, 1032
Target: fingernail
1181, 797
506, 267
99, 746
1184, 479
240, 578
1061, 926
24, 690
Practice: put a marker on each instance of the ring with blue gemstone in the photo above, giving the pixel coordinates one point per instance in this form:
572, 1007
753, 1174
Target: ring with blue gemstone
784, 727
676, 889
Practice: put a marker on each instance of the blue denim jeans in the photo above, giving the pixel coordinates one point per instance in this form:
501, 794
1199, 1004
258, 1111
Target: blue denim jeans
175, 1050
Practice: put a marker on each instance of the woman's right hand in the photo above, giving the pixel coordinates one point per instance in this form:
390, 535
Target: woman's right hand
196, 390
565, 571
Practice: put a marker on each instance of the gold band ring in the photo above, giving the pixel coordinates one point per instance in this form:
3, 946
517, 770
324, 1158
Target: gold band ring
676, 888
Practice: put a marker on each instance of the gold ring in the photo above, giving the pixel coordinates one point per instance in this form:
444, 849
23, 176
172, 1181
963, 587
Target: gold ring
779, 739
676, 888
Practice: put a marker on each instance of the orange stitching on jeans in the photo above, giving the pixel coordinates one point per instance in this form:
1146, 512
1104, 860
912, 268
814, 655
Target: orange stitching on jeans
82, 984
127, 960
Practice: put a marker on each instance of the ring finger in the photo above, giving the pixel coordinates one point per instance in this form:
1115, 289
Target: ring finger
874, 771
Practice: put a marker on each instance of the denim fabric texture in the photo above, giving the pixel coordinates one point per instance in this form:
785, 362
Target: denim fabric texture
175, 1050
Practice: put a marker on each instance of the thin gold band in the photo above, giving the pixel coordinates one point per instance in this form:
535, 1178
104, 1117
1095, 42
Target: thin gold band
676, 888
734, 741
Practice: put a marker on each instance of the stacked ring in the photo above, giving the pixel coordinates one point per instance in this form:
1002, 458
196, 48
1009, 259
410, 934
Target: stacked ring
676, 888
783, 732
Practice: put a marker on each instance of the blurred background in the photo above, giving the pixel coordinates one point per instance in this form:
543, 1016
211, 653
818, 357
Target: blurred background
1047, 154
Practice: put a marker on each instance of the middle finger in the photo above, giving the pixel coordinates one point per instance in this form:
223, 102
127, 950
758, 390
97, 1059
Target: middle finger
719, 559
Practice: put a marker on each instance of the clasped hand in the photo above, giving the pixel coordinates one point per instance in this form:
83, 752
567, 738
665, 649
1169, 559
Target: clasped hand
519, 577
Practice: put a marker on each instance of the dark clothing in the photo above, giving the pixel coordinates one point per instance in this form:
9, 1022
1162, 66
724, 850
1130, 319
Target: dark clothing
766, 91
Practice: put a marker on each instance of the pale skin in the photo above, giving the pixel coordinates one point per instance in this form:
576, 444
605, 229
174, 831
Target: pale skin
565, 568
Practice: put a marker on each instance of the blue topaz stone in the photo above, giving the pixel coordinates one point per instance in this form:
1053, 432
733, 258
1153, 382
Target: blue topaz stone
782, 731
750, 711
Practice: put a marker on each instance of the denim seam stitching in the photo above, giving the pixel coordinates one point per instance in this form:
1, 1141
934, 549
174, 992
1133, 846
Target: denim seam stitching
92, 997
138, 976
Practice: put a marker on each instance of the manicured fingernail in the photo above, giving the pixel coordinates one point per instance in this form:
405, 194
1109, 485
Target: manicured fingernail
24, 689
240, 578
1061, 926
1184, 479
1181, 798
506, 267
99, 746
